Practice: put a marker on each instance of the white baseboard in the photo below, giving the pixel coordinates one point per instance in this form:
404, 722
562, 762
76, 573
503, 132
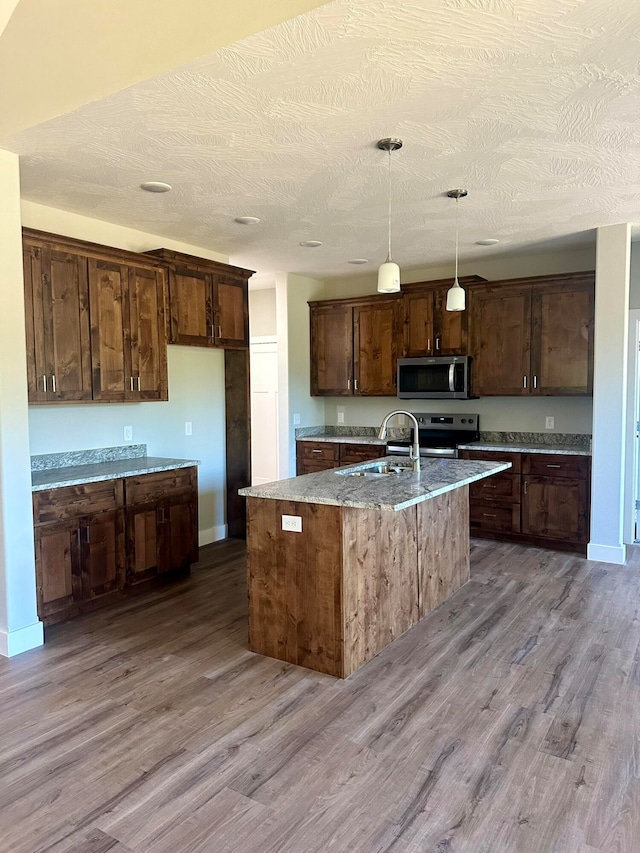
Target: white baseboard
607, 553
212, 534
15, 642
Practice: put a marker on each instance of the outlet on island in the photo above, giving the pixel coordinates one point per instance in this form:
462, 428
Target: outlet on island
292, 523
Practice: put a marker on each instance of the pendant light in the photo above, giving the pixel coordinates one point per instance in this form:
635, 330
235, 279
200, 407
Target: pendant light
389, 272
455, 294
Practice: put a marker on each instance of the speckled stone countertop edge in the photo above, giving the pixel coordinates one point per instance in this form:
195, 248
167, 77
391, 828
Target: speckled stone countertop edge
552, 449
74, 475
345, 439
395, 493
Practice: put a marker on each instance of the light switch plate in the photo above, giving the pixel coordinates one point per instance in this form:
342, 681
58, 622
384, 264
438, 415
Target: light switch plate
188, 428
549, 423
128, 433
296, 420
292, 523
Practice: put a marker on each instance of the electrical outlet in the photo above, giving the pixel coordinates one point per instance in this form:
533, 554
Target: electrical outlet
340, 417
292, 523
128, 433
188, 428
296, 420
549, 423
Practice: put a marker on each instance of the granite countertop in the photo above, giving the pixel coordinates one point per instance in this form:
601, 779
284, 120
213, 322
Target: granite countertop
395, 492
73, 475
345, 439
524, 447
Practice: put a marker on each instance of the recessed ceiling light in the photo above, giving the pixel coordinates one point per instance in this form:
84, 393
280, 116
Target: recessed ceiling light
155, 187
359, 261
311, 244
246, 220
489, 241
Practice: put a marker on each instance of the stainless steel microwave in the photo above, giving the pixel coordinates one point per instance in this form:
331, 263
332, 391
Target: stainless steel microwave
442, 377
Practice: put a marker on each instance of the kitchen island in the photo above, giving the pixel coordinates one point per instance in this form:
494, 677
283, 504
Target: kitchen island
342, 562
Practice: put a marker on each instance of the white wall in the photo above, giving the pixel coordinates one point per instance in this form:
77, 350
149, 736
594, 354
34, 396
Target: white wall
572, 415
196, 389
634, 277
262, 313
292, 294
19, 625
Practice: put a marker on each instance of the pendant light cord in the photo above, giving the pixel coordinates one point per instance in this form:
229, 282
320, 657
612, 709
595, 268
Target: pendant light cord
456, 275
389, 253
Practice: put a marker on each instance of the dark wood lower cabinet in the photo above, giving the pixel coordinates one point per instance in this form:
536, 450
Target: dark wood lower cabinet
313, 456
544, 499
142, 528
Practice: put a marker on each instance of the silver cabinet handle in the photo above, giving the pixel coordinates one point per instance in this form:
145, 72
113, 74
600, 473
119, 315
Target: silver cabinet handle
131, 383
219, 331
524, 487
316, 451
348, 385
138, 383
437, 343
53, 383
535, 381
213, 333
490, 487
429, 345
553, 466
524, 381
44, 382
489, 514
355, 384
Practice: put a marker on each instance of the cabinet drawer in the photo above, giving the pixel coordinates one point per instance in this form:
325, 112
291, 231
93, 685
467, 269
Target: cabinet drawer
495, 456
352, 453
504, 488
555, 465
312, 466
152, 487
325, 450
75, 501
494, 518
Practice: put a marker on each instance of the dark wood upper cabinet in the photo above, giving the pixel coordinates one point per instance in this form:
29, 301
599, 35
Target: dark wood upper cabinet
57, 325
428, 328
562, 338
208, 301
354, 347
95, 322
501, 340
332, 350
533, 336
375, 348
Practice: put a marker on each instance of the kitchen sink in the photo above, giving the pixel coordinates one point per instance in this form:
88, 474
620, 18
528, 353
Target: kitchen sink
377, 470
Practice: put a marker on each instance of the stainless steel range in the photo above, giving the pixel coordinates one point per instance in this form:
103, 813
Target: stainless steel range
439, 435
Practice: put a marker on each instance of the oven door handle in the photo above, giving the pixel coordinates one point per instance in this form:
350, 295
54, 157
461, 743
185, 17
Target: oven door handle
452, 372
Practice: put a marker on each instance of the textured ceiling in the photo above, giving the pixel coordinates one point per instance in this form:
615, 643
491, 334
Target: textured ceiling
531, 105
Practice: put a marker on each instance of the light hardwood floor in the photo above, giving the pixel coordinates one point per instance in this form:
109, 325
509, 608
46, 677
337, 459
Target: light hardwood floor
508, 720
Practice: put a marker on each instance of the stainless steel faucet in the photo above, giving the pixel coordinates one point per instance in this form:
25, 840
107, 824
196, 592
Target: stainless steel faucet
414, 450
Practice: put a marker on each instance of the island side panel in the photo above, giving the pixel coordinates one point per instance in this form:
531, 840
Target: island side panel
295, 584
443, 546
380, 583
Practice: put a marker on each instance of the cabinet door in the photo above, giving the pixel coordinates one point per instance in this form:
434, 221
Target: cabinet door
374, 349
146, 356
331, 351
101, 539
58, 578
191, 307
555, 508
178, 534
500, 341
450, 327
57, 316
418, 337
107, 298
231, 314
562, 340
143, 543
